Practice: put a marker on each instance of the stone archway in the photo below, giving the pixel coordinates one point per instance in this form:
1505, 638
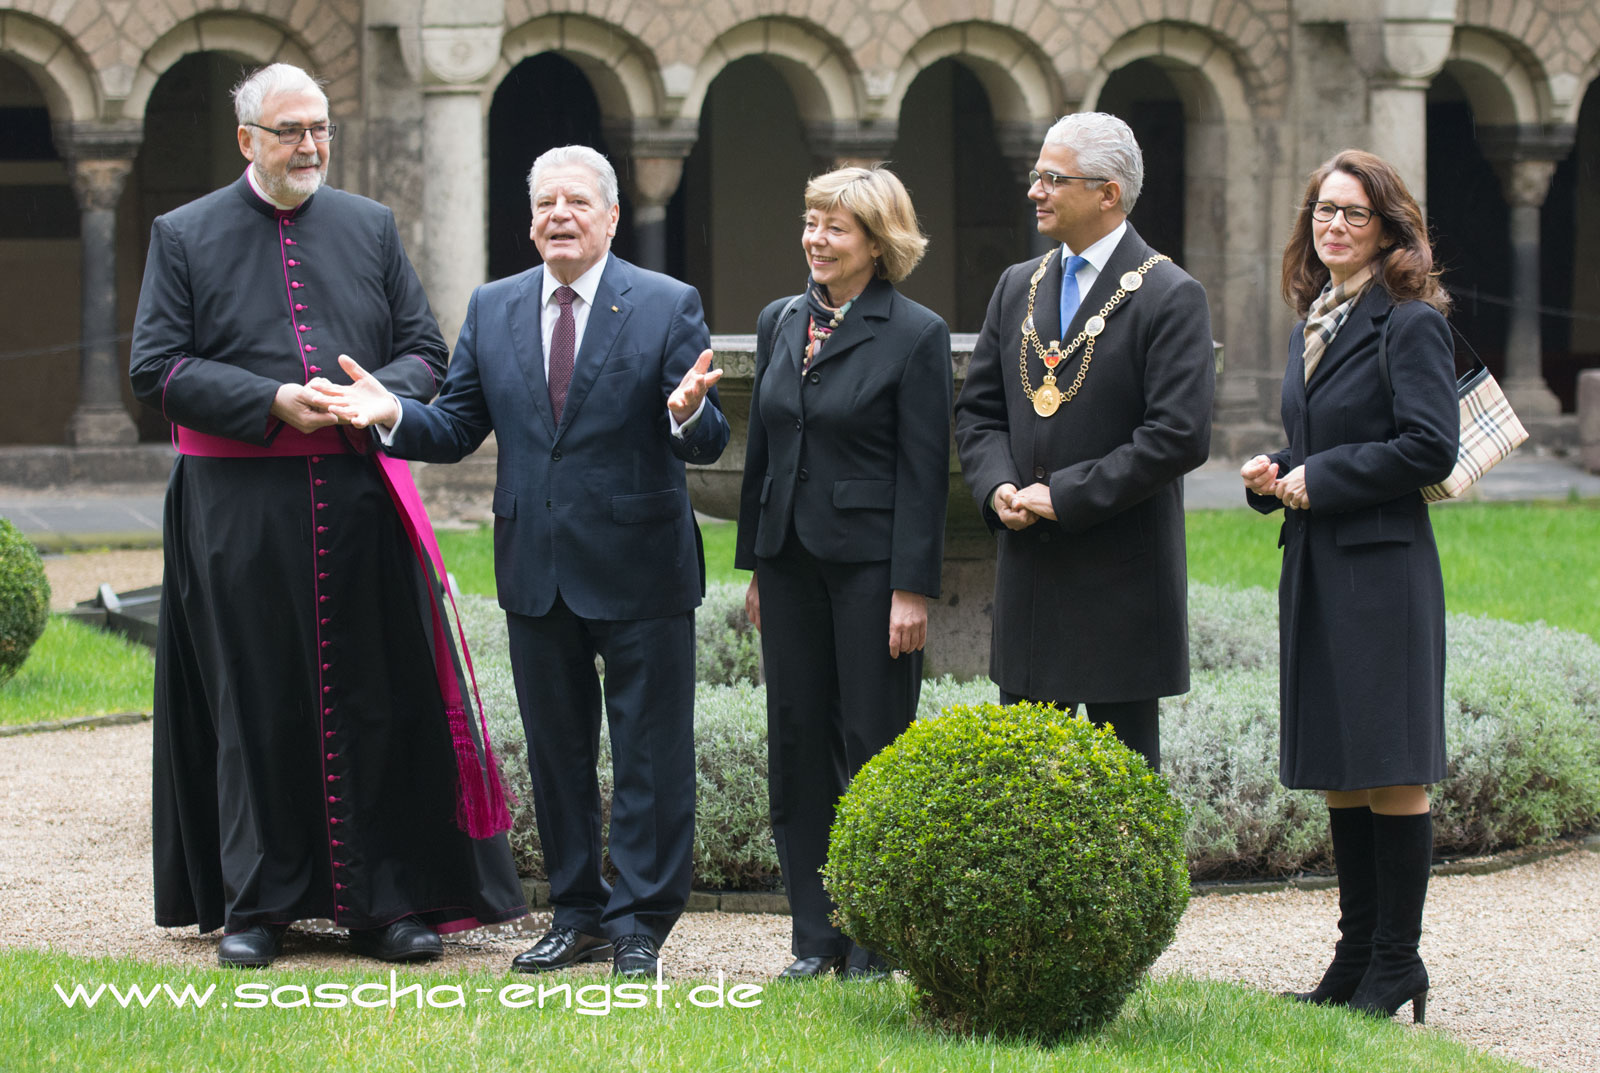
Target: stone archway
1224, 218
1489, 113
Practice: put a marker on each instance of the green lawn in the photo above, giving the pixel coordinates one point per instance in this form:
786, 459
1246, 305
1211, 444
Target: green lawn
77, 670
469, 555
1516, 561
1171, 1026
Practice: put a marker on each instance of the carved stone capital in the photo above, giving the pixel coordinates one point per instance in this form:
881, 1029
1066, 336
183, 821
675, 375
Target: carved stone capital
651, 137
459, 55
1020, 144
1526, 182
1524, 157
1405, 50
846, 143
98, 183
652, 180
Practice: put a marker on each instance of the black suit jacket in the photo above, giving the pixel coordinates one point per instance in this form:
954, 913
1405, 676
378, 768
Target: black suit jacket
854, 456
1093, 607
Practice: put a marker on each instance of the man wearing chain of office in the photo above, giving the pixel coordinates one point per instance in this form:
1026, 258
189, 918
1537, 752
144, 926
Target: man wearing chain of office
1087, 400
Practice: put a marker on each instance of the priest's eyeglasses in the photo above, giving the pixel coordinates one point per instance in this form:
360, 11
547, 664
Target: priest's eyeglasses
1049, 179
1354, 215
322, 132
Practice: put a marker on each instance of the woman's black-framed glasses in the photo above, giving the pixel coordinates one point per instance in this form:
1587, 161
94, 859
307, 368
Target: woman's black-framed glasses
1354, 215
1049, 179
322, 132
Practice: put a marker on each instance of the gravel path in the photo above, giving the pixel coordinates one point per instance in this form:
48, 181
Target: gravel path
1514, 956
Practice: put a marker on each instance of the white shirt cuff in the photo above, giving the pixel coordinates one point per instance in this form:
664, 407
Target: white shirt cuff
680, 431
386, 432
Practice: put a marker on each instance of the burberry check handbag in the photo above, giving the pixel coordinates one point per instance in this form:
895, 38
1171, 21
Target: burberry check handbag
1489, 429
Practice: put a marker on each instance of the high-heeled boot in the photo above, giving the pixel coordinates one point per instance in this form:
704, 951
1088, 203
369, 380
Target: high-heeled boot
1404, 853
1353, 860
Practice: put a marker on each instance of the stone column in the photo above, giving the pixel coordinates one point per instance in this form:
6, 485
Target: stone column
652, 183
1526, 183
1398, 114
1400, 51
1020, 144
100, 167
456, 62
651, 169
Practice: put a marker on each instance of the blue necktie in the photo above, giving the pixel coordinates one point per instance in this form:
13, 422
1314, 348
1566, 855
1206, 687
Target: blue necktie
1070, 299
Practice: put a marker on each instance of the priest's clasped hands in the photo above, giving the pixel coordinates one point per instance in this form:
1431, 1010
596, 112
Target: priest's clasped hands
364, 401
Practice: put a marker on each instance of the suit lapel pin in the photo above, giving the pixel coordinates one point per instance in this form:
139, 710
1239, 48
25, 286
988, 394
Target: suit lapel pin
614, 309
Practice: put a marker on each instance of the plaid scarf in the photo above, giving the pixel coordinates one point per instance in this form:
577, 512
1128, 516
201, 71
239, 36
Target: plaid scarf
1328, 314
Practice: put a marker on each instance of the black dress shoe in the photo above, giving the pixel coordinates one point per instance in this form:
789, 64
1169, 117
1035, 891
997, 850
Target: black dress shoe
407, 939
253, 948
637, 956
559, 948
811, 968
867, 967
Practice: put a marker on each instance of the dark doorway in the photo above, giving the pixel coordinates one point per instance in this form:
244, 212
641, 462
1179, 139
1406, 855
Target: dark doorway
970, 198
545, 101
1470, 222
743, 195
1143, 96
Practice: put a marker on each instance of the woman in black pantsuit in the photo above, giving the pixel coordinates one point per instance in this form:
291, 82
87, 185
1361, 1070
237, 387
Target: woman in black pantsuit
841, 517
1361, 600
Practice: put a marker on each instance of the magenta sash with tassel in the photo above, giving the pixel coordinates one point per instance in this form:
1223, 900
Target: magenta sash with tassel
481, 809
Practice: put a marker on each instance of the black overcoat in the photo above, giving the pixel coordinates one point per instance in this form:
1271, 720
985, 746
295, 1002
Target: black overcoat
1093, 607
1361, 599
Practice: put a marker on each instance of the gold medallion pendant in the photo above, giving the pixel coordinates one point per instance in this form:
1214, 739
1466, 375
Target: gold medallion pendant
1047, 400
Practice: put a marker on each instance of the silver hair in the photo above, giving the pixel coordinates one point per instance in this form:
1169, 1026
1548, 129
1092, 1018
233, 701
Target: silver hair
275, 78
1104, 145
563, 155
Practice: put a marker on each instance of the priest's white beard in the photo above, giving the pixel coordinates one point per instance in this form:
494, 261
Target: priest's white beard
290, 189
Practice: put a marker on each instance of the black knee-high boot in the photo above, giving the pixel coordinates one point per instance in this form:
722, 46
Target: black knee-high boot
1356, 866
1404, 851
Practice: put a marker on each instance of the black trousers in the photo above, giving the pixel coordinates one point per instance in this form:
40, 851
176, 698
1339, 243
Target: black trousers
1136, 723
834, 699
649, 699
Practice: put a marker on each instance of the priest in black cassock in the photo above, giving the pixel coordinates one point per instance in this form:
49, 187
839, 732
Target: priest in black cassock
318, 750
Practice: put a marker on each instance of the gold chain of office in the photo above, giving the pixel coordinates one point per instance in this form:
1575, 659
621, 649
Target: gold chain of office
1049, 398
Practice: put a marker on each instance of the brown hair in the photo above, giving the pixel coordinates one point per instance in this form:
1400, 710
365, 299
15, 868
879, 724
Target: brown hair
878, 200
1404, 267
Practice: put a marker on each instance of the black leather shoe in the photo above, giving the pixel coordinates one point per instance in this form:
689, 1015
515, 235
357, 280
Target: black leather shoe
407, 939
253, 948
559, 948
812, 968
867, 967
637, 956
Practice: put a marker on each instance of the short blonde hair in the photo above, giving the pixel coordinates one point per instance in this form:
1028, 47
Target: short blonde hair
878, 200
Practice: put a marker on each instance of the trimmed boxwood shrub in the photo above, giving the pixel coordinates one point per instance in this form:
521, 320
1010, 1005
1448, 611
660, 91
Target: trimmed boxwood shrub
24, 599
1023, 868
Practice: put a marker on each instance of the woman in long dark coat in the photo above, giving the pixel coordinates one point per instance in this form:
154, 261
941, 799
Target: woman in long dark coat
1361, 600
841, 518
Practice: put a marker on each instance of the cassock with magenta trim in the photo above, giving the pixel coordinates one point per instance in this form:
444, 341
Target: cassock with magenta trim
318, 747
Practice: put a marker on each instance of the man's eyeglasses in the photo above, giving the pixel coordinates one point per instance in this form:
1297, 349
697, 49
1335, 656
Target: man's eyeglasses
1354, 215
1050, 179
322, 132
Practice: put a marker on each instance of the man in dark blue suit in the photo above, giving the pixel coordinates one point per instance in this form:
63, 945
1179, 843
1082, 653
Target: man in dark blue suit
595, 378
